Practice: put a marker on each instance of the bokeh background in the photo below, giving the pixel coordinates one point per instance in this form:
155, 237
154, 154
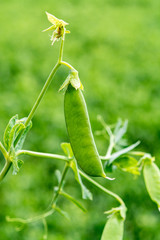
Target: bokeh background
115, 46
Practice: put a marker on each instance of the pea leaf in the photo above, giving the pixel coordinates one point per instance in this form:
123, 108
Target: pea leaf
14, 133
86, 194
66, 147
13, 129
8, 129
127, 164
20, 142
123, 151
120, 130
63, 213
73, 200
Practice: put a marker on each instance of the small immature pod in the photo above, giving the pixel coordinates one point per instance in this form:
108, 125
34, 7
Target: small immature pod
151, 175
113, 229
80, 133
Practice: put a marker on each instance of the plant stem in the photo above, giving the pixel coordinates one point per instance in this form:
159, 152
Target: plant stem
61, 51
7, 164
3, 150
34, 108
66, 167
45, 228
42, 93
46, 85
67, 65
110, 148
45, 155
5, 169
51, 211
102, 188
29, 220
137, 153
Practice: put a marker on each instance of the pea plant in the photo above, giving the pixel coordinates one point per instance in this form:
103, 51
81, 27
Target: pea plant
80, 153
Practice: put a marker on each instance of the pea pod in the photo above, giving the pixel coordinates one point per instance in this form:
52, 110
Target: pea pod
113, 229
151, 175
80, 133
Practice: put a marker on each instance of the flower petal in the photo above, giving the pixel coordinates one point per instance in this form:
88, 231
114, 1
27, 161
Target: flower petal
50, 28
52, 19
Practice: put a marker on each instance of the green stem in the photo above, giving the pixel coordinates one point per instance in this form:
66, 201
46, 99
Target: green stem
45, 87
137, 153
5, 169
42, 93
110, 148
102, 188
66, 167
7, 164
3, 150
51, 211
29, 220
61, 51
45, 155
45, 228
67, 65
34, 108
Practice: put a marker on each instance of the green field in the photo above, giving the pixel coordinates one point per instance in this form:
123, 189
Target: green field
115, 46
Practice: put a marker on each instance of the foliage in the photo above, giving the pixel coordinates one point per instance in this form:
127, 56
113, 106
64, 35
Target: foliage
119, 59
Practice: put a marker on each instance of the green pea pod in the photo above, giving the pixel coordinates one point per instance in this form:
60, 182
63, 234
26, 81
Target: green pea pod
80, 133
113, 229
151, 175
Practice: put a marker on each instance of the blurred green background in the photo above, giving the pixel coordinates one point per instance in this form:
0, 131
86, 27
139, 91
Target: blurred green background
115, 46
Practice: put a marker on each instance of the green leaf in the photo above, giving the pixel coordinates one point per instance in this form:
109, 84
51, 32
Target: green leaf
66, 147
13, 129
73, 200
127, 164
8, 129
123, 151
14, 132
120, 131
118, 126
20, 142
86, 194
63, 213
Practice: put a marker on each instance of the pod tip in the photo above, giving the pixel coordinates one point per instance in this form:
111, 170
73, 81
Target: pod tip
110, 178
104, 175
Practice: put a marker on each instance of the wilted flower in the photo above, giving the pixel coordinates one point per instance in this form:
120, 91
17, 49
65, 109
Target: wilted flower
58, 27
